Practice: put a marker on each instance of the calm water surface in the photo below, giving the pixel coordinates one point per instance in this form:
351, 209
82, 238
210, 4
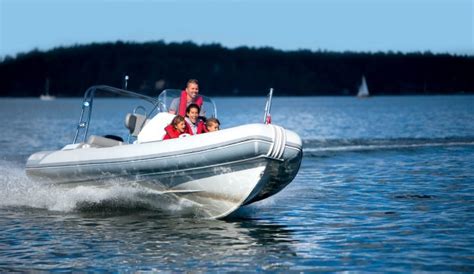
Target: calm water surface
386, 184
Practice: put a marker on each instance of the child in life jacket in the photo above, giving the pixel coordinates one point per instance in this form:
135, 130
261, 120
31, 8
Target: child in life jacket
194, 124
176, 128
212, 124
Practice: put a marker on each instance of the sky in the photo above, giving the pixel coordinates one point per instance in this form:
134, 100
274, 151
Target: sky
439, 26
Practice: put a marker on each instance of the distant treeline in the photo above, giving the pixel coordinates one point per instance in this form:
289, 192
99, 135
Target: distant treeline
153, 66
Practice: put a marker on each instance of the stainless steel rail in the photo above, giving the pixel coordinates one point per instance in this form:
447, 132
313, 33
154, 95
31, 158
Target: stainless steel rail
87, 103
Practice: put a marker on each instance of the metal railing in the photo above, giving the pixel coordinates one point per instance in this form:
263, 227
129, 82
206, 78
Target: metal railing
86, 112
268, 106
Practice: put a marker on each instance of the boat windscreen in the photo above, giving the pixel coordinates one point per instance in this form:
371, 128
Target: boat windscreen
170, 97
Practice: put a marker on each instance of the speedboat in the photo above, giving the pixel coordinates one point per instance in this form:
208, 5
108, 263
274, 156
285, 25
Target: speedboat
218, 172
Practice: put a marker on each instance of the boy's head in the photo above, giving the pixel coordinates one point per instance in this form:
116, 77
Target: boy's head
212, 124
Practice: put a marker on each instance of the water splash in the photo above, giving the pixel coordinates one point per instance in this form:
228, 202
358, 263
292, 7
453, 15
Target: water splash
20, 191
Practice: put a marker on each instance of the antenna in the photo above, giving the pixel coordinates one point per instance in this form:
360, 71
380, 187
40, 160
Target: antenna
267, 118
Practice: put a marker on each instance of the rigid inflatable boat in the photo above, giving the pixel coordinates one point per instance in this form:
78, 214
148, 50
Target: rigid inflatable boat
218, 172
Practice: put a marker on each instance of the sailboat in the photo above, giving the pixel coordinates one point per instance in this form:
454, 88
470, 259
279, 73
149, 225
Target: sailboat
46, 96
363, 89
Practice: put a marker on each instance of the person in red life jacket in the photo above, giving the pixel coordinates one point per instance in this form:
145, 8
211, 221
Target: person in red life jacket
188, 96
194, 124
176, 128
212, 124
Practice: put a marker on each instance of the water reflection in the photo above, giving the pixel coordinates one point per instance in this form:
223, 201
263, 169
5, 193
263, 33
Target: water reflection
144, 239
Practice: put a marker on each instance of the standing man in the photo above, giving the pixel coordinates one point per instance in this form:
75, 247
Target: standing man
190, 95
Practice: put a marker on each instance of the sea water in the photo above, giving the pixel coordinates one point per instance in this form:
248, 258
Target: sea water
386, 184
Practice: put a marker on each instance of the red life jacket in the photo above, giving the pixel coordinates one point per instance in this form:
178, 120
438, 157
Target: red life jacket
201, 128
172, 132
183, 102
204, 128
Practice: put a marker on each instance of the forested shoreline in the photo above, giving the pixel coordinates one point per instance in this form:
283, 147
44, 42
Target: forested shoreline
243, 71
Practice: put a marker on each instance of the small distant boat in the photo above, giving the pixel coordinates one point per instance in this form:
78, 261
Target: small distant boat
363, 89
46, 96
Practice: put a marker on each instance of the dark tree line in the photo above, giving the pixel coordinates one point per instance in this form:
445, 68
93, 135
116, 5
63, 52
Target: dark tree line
154, 66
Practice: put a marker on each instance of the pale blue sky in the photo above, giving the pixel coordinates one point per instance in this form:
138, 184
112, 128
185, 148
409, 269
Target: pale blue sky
337, 25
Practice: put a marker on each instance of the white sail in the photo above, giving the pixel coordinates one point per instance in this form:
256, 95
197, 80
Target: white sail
46, 96
363, 89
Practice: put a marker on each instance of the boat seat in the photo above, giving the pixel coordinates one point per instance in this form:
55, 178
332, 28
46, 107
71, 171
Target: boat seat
135, 123
155, 128
99, 141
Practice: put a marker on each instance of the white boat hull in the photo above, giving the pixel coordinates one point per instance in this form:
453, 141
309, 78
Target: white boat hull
219, 171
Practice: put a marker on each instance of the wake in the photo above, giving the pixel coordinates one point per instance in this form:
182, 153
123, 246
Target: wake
313, 147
